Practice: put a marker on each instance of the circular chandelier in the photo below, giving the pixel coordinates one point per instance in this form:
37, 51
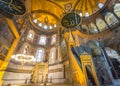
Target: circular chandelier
22, 58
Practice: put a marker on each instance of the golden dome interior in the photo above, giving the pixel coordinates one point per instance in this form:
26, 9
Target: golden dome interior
55, 52
89, 6
59, 7
45, 18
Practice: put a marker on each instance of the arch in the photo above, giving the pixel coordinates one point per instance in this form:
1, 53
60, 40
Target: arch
93, 28
53, 39
52, 56
40, 54
25, 49
101, 24
42, 40
37, 6
85, 28
110, 18
117, 9
30, 35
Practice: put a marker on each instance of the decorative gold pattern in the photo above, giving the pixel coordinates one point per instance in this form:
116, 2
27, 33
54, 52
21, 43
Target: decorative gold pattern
89, 6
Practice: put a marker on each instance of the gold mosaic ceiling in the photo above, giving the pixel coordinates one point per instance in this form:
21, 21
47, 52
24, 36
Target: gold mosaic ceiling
46, 17
58, 8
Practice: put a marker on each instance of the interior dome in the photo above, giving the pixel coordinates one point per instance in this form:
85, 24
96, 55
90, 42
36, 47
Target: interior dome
60, 43
44, 21
89, 7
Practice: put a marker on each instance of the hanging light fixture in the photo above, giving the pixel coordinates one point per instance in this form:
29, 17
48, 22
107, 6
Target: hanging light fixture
24, 57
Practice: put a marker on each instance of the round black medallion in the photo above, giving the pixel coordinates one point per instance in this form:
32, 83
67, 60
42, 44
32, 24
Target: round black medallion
15, 7
71, 20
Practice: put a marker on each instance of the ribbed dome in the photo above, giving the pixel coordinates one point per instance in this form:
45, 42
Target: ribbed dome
88, 7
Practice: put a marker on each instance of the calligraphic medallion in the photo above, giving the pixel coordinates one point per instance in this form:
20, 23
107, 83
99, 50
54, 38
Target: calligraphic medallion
70, 20
15, 7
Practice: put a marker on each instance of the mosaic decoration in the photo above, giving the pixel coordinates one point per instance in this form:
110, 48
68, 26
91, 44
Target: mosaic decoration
15, 7
71, 20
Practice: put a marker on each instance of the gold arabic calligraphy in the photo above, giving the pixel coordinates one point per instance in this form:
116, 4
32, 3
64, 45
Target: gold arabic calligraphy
69, 23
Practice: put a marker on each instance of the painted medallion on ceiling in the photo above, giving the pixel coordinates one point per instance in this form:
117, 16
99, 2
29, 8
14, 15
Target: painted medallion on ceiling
14, 7
84, 7
70, 20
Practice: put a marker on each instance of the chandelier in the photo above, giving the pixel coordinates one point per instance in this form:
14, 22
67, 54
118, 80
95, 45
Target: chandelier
22, 58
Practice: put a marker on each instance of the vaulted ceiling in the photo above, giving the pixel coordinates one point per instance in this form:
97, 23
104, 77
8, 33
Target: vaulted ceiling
59, 7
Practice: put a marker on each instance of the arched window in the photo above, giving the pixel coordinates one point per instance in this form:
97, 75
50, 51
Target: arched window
87, 14
110, 19
117, 9
63, 48
35, 20
30, 35
42, 40
101, 24
100, 5
25, 49
93, 28
85, 28
53, 39
39, 55
52, 57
